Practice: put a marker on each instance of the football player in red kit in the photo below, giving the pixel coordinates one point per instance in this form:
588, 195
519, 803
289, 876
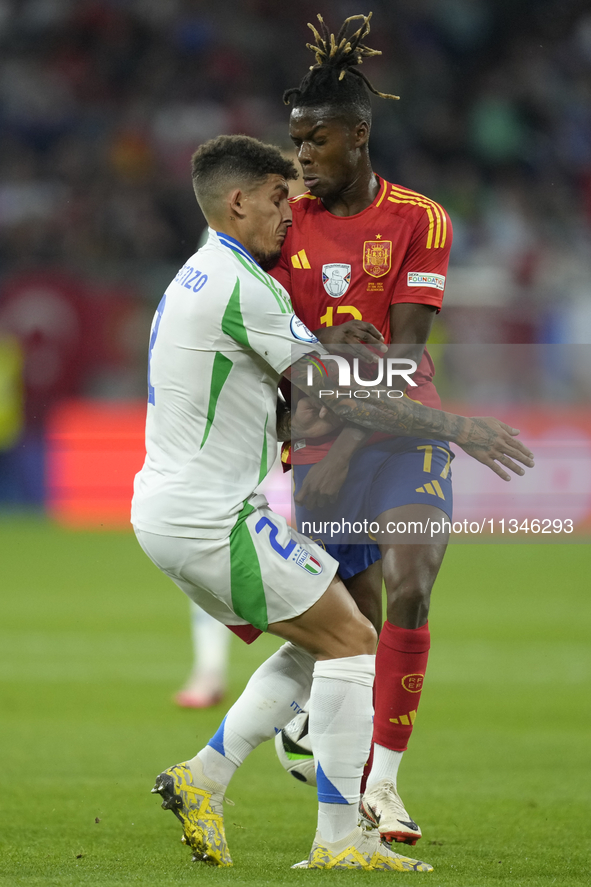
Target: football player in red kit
365, 261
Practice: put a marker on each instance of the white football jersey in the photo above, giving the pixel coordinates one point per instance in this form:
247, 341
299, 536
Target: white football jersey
222, 336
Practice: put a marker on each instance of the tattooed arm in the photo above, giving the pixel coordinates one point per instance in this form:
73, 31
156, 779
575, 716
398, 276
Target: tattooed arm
486, 439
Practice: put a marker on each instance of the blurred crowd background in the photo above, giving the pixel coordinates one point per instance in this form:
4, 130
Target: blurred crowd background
102, 103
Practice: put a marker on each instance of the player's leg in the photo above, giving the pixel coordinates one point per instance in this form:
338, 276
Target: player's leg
273, 570
365, 587
211, 646
409, 572
328, 659
277, 690
410, 496
338, 665
342, 640
265, 573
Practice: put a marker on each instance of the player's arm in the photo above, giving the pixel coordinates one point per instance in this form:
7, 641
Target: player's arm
417, 292
410, 326
325, 479
353, 332
484, 438
308, 420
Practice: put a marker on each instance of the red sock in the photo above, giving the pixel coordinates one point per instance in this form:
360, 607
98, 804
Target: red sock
401, 662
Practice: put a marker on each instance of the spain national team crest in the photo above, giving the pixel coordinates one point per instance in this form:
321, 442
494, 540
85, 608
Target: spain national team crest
377, 257
336, 278
413, 682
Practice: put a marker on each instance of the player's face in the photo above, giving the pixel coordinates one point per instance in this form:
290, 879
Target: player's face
328, 149
268, 216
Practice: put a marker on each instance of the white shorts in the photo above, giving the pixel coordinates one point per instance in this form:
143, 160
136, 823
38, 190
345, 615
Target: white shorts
264, 572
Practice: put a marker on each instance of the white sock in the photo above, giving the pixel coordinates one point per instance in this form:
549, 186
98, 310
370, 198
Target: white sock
215, 766
385, 765
211, 644
340, 732
276, 692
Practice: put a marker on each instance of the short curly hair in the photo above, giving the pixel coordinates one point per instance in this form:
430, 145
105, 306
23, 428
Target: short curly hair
238, 159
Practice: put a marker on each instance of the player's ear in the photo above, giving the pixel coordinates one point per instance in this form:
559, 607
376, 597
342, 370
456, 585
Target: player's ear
236, 203
361, 134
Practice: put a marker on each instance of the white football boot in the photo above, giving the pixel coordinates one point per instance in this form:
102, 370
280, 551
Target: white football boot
381, 808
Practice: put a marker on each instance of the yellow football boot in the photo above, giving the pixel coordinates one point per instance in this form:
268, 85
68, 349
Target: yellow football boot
199, 808
360, 850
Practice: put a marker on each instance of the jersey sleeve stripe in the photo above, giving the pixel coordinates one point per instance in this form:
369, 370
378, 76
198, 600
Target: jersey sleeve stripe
383, 194
439, 213
428, 208
407, 195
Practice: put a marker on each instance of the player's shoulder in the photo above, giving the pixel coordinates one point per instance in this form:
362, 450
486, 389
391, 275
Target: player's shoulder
227, 260
206, 274
304, 204
402, 200
420, 212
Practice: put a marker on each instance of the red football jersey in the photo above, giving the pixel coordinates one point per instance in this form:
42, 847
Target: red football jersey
340, 268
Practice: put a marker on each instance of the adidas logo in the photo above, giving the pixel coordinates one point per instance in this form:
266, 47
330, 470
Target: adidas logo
406, 720
433, 487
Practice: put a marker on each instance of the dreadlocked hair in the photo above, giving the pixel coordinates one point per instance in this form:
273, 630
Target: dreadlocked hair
335, 79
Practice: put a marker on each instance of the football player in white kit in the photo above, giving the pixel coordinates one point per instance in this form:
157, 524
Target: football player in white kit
222, 336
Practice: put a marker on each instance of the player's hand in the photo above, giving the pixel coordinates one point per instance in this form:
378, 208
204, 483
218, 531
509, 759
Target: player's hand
493, 443
312, 419
323, 482
354, 333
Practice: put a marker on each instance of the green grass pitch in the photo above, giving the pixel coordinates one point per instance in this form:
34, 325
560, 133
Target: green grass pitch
94, 641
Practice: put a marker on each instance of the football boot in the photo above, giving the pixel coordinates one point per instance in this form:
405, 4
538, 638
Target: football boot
360, 850
381, 808
199, 809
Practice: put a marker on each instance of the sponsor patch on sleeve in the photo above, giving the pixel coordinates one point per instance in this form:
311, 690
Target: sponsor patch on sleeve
300, 331
418, 278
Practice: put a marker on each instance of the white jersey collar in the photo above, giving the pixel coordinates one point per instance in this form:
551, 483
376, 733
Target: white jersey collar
231, 243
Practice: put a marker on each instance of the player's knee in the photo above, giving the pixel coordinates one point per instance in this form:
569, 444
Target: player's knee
413, 585
409, 597
355, 637
364, 637
411, 594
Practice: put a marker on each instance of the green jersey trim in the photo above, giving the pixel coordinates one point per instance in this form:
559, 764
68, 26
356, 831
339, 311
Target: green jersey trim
246, 581
232, 321
220, 372
282, 299
263, 468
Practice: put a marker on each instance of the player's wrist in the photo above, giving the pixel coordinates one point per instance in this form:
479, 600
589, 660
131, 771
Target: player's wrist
463, 430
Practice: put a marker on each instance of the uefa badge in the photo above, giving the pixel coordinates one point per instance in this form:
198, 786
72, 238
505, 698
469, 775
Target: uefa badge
336, 278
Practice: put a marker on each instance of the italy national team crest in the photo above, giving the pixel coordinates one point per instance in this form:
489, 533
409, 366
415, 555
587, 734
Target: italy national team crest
336, 278
377, 257
304, 559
